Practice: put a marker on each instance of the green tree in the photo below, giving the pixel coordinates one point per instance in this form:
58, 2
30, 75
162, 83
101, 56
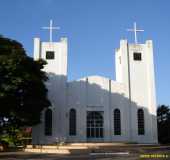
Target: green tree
163, 117
23, 94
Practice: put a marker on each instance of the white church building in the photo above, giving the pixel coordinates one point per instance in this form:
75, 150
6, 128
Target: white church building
96, 108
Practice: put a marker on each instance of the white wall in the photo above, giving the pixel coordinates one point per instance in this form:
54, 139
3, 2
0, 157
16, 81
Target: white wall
134, 88
56, 70
96, 93
138, 77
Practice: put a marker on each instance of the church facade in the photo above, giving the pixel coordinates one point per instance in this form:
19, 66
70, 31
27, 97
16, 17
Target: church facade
95, 108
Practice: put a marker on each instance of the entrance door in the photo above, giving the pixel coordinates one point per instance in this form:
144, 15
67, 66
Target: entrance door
94, 125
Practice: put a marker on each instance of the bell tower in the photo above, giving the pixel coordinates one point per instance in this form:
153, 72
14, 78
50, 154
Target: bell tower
135, 69
55, 53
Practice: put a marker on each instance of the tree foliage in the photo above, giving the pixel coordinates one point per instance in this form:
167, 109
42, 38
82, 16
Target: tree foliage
23, 94
163, 116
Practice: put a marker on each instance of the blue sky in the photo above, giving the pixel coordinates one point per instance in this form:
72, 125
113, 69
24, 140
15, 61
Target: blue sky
94, 29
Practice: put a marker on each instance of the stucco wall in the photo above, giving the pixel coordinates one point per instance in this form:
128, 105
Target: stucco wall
134, 88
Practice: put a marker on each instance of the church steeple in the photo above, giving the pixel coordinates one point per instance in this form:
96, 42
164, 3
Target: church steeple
55, 53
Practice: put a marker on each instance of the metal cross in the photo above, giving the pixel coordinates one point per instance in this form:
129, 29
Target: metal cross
51, 28
135, 30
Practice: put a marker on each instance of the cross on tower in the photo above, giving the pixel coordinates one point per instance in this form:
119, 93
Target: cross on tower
135, 30
51, 28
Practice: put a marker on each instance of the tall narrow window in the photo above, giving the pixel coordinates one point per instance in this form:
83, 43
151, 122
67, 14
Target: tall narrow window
141, 125
117, 122
72, 122
48, 122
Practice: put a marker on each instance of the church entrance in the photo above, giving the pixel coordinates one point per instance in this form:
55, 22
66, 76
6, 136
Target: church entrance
94, 125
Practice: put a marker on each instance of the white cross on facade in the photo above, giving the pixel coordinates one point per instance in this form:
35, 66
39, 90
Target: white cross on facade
51, 28
135, 30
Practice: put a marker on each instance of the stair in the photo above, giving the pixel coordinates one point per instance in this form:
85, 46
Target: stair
83, 148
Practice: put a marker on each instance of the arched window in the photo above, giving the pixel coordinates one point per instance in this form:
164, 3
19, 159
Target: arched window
141, 125
72, 122
117, 122
48, 122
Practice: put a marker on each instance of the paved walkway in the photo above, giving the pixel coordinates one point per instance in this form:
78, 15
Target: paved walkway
136, 153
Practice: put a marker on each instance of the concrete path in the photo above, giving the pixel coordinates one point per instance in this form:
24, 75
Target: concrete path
119, 153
